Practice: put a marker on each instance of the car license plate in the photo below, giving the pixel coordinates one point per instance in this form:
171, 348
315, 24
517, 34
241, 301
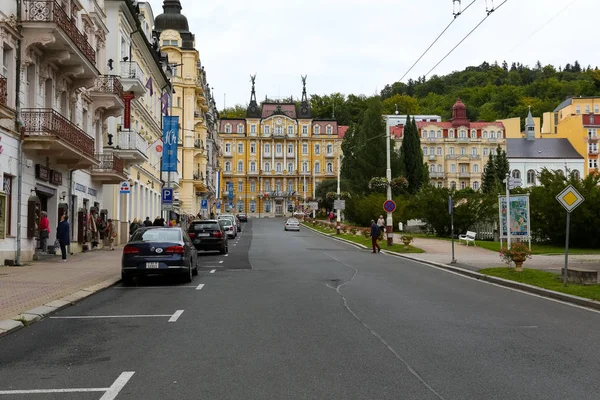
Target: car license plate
203, 234
152, 265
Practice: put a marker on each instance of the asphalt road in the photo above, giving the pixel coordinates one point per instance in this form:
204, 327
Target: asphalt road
294, 315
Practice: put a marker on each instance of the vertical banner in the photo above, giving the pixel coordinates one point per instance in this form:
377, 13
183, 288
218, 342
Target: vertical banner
170, 140
127, 97
519, 216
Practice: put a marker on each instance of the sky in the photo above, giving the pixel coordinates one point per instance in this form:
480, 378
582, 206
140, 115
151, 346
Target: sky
359, 46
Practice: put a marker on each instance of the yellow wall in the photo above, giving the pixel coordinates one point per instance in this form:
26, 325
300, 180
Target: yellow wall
513, 129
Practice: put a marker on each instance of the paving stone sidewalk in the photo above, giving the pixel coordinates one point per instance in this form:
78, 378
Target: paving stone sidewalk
476, 258
41, 282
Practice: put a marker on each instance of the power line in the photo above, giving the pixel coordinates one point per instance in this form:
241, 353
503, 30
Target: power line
544, 25
456, 15
489, 12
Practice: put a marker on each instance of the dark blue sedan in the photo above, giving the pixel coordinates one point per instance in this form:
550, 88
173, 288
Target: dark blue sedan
159, 251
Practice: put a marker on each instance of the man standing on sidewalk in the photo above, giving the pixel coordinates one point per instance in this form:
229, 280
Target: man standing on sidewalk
375, 232
62, 235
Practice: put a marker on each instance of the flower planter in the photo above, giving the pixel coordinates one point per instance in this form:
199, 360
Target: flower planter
519, 263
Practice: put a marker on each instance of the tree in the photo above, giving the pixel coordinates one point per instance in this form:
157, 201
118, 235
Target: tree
327, 186
237, 111
488, 184
412, 156
501, 165
406, 105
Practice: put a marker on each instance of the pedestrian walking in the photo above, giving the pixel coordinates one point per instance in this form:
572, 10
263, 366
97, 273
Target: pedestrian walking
381, 223
111, 232
63, 237
147, 222
134, 226
374, 236
157, 222
44, 231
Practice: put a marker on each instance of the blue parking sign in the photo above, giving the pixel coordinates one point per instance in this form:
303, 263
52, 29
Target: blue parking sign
167, 196
204, 204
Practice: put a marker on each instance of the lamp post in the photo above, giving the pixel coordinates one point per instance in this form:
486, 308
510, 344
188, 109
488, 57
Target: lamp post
388, 175
169, 74
338, 211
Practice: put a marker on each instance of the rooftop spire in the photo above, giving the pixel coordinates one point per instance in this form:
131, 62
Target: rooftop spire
529, 127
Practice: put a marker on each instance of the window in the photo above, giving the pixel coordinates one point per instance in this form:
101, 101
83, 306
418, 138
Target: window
252, 186
240, 128
485, 151
228, 166
316, 130
304, 148
329, 167
267, 207
440, 184
253, 129
463, 168
252, 206
476, 168
439, 151
267, 167
431, 134
462, 134
329, 149
304, 130
576, 174
492, 151
424, 151
252, 166
304, 166
424, 134
240, 186
473, 134
290, 168
267, 148
228, 148
290, 187
432, 168
290, 149
252, 148
432, 150
516, 174
240, 166
329, 130
240, 148
463, 151
451, 151
290, 130
587, 108
452, 185
492, 135
7, 187
267, 129
531, 176
278, 130
278, 167
453, 168
451, 134
578, 110
476, 185
485, 134
278, 148
439, 168
267, 186
439, 134
596, 109
593, 163
317, 149
463, 185
227, 128
317, 167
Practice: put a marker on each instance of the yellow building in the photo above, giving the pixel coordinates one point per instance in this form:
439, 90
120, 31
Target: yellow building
275, 157
192, 182
577, 119
457, 151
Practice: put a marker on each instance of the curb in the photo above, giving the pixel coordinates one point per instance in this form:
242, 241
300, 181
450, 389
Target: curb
567, 298
36, 314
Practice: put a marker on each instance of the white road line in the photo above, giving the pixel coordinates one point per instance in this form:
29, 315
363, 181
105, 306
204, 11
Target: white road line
220, 262
212, 271
112, 316
151, 287
176, 316
226, 255
200, 286
117, 386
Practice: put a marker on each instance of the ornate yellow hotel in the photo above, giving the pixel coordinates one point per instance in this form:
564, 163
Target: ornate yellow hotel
275, 156
456, 151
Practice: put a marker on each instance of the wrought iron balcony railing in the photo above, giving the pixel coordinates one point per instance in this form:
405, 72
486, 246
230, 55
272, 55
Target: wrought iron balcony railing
109, 84
109, 162
132, 140
47, 122
132, 70
3, 91
52, 11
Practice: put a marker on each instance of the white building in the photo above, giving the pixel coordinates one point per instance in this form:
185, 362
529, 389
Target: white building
528, 156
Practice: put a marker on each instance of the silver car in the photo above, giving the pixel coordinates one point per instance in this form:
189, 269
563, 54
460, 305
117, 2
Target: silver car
292, 224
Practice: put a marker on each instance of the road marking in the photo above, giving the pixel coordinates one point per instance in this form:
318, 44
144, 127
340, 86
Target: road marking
151, 287
221, 262
226, 255
200, 286
111, 392
212, 271
176, 316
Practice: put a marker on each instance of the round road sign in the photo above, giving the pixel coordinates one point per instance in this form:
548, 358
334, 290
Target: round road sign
389, 206
159, 148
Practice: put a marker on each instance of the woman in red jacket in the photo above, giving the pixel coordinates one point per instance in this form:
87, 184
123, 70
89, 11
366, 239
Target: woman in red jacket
44, 231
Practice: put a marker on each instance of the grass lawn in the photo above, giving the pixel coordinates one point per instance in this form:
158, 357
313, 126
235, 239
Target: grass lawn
397, 248
539, 248
546, 280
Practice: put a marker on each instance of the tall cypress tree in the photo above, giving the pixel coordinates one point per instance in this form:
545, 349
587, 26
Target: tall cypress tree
412, 156
489, 184
501, 165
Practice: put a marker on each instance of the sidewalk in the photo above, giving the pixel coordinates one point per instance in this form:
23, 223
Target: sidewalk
476, 258
31, 286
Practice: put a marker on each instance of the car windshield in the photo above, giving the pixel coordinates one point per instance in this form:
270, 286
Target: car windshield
292, 221
224, 222
157, 235
230, 219
199, 226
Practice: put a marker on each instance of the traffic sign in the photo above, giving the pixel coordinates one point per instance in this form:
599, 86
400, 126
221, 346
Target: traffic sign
339, 204
570, 198
514, 182
204, 204
125, 187
167, 196
389, 206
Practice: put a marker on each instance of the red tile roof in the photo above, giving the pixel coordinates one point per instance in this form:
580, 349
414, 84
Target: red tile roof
342, 131
397, 131
269, 109
233, 122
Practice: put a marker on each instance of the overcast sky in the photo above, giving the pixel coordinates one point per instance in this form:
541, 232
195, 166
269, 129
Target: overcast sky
359, 46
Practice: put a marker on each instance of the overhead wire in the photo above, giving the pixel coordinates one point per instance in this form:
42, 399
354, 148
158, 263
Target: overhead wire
489, 12
456, 15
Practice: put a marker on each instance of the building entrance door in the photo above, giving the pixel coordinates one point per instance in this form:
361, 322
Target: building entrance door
279, 208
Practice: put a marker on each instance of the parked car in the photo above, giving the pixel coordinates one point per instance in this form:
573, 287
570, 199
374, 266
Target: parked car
159, 251
243, 217
207, 235
228, 227
234, 221
292, 224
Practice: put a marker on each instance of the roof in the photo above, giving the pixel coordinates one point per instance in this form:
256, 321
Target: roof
288, 109
564, 104
541, 148
342, 131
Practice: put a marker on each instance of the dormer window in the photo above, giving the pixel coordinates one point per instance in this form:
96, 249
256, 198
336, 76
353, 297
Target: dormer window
329, 130
473, 134
228, 128
451, 134
317, 130
240, 128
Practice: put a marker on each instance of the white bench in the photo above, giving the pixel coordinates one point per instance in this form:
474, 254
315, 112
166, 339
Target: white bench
468, 238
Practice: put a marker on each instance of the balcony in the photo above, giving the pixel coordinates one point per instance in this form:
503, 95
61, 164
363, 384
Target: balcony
50, 134
5, 110
592, 138
108, 95
267, 154
432, 157
278, 155
291, 155
133, 78
171, 180
131, 147
228, 154
593, 152
199, 183
475, 157
329, 155
110, 170
451, 156
430, 139
227, 173
464, 174
463, 139
255, 172
48, 26
436, 175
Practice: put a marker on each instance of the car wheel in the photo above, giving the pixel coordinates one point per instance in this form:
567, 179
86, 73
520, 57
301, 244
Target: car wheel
223, 250
195, 270
127, 280
188, 277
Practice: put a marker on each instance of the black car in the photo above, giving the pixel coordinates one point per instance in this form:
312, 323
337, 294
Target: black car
158, 250
243, 217
208, 235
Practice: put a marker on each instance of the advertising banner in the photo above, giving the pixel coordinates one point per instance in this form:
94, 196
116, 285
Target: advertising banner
519, 216
127, 97
170, 140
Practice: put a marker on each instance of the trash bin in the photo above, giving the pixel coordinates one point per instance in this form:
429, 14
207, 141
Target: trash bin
400, 226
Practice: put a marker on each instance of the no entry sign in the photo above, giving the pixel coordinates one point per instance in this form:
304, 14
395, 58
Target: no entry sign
389, 206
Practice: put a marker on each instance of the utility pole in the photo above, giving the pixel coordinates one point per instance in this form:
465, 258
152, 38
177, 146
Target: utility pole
338, 211
508, 210
388, 176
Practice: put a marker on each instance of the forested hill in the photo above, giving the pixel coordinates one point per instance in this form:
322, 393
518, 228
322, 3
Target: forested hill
490, 91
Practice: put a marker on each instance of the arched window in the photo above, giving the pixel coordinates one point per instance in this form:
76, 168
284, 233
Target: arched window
278, 167
431, 134
317, 167
267, 166
317, 149
278, 148
304, 166
452, 185
227, 166
329, 149
473, 134
252, 166
228, 128
240, 128
432, 168
329, 167
253, 148
531, 177
516, 174
329, 130
485, 134
485, 151
452, 167
576, 174
451, 133
492, 135
227, 148
463, 151
290, 167
424, 134
476, 185
439, 168
240, 166
290, 149
439, 134
425, 150
476, 168
267, 148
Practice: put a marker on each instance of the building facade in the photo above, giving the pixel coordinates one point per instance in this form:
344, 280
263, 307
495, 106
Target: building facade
188, 101
136, 59
274, 158
578, 120
456, 151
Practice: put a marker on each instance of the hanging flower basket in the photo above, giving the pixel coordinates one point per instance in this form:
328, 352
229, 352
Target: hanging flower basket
399, 183
518, 253
378, 183
330, 195
345, 195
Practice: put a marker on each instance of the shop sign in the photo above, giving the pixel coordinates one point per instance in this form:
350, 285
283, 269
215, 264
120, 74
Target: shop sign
93, 192
42, 173
127, 97
80, 188
55, 177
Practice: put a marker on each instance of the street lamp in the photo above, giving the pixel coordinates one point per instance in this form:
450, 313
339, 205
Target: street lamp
338, 211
